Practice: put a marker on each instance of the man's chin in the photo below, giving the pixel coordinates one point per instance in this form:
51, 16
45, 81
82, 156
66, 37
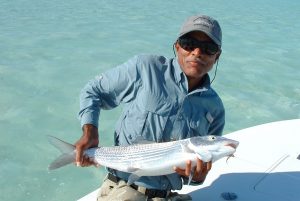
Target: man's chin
194, 72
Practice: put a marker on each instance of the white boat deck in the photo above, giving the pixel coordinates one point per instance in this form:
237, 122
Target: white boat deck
266, 167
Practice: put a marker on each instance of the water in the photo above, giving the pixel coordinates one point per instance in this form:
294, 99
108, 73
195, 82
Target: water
50, 49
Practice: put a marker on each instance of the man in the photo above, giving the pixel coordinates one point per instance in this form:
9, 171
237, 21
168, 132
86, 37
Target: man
164, 99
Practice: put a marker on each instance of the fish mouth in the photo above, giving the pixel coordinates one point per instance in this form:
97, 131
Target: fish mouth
232, 145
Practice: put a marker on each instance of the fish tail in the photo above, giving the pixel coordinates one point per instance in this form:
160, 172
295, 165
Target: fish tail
67, 150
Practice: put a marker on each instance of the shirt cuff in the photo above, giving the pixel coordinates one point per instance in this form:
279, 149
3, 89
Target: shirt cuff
90, 118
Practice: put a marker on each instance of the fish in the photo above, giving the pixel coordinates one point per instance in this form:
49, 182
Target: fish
149, 159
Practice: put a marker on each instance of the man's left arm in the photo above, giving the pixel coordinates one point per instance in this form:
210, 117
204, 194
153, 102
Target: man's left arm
202, 169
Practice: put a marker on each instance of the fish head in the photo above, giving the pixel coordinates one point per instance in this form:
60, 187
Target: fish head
212, 147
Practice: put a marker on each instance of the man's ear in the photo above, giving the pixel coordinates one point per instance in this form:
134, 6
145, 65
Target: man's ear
175, 48
218, 55
176, 45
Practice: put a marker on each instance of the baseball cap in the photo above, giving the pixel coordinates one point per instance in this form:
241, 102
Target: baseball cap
205, 24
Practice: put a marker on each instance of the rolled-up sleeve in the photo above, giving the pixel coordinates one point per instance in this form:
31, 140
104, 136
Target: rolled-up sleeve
108, 90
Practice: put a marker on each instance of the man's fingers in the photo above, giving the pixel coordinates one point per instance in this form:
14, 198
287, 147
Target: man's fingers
188, 168
202, 170
79, 156
88, 139
186, 171
203, 167
199, 167
180, 171
86, 161
82, 144
208, 166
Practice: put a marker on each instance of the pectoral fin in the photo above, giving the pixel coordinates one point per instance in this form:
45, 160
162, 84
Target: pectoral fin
205, 156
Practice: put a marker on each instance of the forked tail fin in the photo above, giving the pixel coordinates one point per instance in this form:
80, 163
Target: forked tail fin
67, 150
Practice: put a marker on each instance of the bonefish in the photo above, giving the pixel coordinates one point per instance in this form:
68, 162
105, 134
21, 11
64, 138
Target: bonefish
151, 159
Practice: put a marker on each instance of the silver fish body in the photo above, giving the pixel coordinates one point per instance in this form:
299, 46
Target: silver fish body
152, 159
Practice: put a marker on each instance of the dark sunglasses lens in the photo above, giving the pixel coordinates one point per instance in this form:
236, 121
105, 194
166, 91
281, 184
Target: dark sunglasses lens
186, 44
189, 44
211, 48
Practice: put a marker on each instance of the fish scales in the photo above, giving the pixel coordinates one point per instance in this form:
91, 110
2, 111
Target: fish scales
140, 153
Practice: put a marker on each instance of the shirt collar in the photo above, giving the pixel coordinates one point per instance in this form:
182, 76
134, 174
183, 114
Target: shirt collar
178, 74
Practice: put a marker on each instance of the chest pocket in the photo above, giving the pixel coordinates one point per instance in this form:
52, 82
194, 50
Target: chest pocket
144, 119
157, 105
158, 110
200, 123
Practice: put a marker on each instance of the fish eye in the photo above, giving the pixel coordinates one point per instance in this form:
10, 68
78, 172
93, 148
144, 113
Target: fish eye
212, 137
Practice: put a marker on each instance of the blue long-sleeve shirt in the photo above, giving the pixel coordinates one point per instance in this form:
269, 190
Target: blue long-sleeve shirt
157, 107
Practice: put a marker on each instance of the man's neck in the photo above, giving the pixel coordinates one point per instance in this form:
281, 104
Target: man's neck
195, 83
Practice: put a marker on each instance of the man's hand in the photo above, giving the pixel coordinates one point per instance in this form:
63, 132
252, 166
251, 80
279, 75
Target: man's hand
89, 138
200, 171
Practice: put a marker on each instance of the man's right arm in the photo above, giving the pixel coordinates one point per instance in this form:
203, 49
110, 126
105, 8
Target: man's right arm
106, 91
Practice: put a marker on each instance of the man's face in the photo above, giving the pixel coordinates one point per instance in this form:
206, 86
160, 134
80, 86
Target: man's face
195, 63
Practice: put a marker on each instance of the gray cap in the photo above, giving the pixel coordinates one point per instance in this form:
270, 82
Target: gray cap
204, 24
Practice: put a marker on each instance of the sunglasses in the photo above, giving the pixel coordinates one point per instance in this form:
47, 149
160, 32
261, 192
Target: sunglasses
206, 47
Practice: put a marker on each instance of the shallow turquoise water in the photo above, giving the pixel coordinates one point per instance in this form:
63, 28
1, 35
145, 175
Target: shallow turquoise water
50, 49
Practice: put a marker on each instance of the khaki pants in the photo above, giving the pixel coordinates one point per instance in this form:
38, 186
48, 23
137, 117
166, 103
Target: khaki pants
111, 191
